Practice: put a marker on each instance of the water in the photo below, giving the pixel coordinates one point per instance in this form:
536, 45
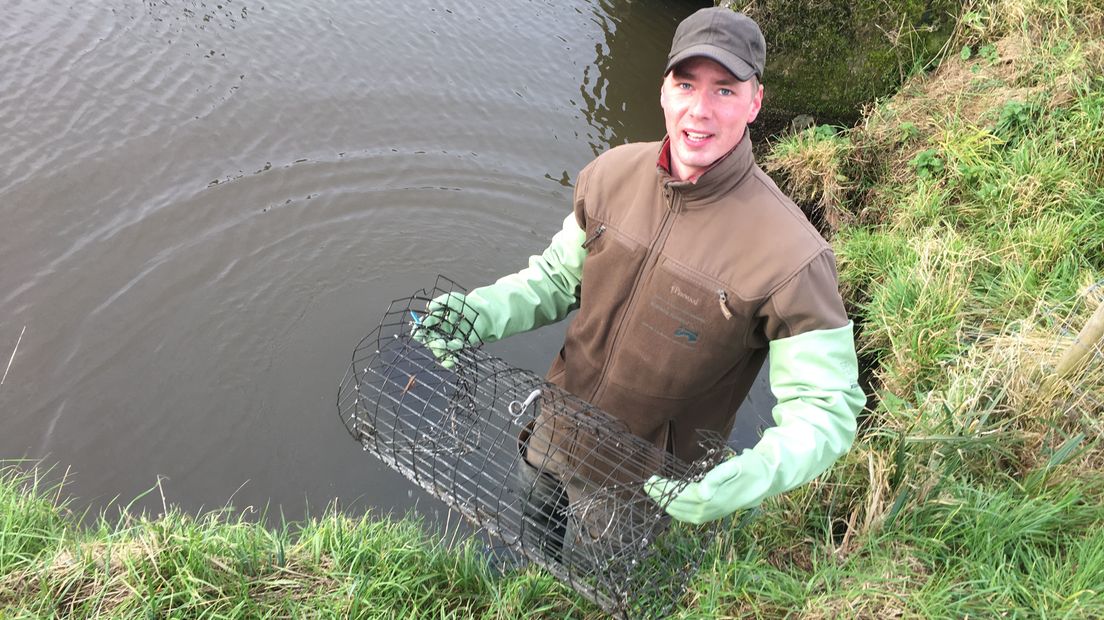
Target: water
205, 205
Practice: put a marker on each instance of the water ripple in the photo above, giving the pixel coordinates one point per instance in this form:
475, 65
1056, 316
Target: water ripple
205, 202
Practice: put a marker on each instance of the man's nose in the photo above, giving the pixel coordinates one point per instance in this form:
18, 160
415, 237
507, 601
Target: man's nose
700, 105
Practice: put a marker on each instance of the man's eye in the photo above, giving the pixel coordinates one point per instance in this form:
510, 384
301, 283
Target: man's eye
724, 91
684, 85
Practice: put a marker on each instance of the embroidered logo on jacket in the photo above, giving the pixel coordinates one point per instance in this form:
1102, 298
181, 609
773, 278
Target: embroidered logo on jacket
690, 336
677, 292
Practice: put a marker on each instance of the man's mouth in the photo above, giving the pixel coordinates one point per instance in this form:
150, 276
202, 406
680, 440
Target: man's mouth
694, 137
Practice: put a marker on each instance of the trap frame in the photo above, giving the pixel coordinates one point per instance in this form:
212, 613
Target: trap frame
554, 480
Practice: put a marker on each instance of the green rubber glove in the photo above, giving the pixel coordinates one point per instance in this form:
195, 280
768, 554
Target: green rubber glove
449, 324
542, 293
814, 375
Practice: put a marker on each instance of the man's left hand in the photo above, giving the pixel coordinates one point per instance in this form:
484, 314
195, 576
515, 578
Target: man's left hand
721, 492
814, 375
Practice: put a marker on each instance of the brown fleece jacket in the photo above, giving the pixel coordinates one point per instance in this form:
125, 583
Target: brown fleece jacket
684, 286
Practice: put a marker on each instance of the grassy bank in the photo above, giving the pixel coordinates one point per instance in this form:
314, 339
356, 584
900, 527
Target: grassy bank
967, 213
226, 565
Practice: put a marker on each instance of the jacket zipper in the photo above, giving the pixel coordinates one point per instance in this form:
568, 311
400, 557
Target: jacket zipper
653, 253
722, 298
597, 233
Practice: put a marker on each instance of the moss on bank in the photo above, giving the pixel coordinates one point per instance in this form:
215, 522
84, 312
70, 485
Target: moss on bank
828, 58
967, 213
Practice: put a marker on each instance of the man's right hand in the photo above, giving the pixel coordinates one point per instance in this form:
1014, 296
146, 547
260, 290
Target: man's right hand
542, 293
448, 325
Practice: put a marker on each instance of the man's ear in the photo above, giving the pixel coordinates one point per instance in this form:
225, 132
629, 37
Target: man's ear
756, 104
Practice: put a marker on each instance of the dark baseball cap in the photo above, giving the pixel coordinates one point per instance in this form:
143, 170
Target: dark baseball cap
721, 34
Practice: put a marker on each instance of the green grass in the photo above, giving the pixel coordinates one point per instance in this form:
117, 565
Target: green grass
30, 519
975, 552
969, 230
223, 565
967, 214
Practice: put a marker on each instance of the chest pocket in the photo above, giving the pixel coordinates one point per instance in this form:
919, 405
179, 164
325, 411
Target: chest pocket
686, 335
612, 263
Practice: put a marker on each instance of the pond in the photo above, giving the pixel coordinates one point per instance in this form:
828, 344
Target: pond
205, 206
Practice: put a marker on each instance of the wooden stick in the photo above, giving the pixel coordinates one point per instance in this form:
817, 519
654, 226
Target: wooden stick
1089, 337
12, 358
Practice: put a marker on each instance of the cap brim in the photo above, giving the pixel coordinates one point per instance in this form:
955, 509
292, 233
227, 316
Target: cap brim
735, 65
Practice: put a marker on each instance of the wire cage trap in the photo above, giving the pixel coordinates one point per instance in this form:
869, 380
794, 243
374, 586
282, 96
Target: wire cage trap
550, 478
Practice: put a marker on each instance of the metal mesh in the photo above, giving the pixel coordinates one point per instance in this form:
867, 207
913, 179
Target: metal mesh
556, 481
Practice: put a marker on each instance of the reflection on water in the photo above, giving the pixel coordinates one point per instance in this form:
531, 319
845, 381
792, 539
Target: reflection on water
206, 204
621, 88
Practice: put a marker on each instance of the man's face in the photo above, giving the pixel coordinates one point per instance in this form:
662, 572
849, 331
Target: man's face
706, 110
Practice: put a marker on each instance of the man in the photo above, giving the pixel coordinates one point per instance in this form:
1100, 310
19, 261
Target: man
688, 265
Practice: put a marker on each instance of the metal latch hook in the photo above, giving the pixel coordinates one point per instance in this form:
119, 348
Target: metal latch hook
517, 407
